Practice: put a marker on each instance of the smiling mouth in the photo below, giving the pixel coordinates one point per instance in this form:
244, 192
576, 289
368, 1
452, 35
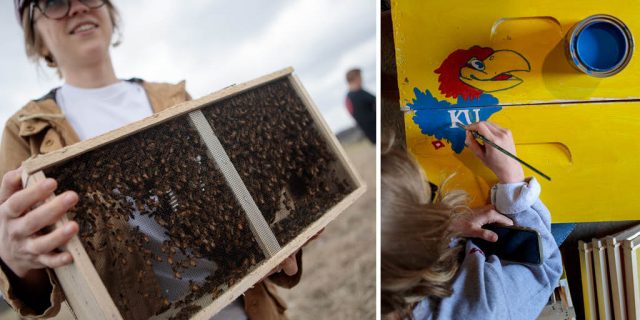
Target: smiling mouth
84, 27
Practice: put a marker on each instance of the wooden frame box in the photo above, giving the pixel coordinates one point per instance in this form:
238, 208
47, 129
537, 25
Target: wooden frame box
615, 257
249, 173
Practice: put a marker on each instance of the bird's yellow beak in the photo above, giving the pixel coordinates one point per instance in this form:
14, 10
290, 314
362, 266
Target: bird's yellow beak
494, 72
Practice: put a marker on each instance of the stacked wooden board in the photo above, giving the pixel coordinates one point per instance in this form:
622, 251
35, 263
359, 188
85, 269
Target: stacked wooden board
609, 268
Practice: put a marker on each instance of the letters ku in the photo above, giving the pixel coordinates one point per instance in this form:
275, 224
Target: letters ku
464, 117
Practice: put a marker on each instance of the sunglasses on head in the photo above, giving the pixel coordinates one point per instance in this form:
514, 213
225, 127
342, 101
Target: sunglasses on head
58, 9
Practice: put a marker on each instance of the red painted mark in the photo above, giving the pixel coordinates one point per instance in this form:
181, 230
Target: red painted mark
502, 76
474, 250
437, 144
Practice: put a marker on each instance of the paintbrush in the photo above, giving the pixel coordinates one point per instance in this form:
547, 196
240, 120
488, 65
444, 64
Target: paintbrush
478, 136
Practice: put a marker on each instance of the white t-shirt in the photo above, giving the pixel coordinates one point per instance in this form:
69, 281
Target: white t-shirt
93, 112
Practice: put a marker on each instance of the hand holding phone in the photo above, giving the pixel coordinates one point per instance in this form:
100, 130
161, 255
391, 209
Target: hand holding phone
515, 244
469, 224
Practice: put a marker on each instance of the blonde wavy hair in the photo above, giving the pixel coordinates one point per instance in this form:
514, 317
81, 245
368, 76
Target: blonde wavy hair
417, 260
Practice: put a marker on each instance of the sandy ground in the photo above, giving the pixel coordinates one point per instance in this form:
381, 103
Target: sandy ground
339, 278
5, 312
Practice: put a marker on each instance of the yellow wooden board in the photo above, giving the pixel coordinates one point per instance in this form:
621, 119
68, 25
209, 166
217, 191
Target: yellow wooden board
580, 130
426, 32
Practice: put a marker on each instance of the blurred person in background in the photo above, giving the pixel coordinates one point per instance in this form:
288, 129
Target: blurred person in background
361, 105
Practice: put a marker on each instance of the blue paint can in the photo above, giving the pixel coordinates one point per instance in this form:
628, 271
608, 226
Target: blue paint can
600, 45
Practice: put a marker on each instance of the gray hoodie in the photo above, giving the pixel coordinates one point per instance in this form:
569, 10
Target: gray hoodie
487, 288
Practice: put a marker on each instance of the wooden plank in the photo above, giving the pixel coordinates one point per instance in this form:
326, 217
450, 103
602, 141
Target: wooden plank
616, 277
602, 280
588, 287
44, 161
632, 283
80, 281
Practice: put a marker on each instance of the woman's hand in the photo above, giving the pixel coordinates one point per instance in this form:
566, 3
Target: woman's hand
469, 225
290, 264
23, 245
506, 169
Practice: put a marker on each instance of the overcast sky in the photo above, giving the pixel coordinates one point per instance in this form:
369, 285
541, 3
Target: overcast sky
213, 44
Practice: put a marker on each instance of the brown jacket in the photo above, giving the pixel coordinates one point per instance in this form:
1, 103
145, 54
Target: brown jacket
39, 128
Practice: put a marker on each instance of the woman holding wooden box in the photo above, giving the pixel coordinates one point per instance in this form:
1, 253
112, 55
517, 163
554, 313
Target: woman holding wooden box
74, 37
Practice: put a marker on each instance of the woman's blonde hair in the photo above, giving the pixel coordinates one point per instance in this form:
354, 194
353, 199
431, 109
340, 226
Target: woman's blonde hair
417, 260
34, 45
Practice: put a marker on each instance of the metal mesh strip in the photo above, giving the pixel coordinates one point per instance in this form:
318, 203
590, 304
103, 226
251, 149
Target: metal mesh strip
259, 226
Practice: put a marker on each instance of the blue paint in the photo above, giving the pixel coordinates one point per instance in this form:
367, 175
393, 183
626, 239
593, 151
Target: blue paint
434, 117
601, 46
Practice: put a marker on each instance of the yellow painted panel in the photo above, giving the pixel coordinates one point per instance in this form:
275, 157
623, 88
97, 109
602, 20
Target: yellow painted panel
590, 150
426, 32
560, 117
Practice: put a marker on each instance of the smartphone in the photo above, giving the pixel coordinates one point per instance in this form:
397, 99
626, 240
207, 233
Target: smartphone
515, 244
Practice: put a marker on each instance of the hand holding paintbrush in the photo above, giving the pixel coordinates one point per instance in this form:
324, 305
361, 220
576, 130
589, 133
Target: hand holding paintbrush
500, 156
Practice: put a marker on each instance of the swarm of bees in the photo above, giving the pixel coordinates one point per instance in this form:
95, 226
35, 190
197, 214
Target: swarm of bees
166, 174
275, 145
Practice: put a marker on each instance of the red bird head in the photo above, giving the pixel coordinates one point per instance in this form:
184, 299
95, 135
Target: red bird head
450, 84
469, 73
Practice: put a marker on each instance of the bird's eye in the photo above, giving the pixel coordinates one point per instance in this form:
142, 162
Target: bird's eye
476, 64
